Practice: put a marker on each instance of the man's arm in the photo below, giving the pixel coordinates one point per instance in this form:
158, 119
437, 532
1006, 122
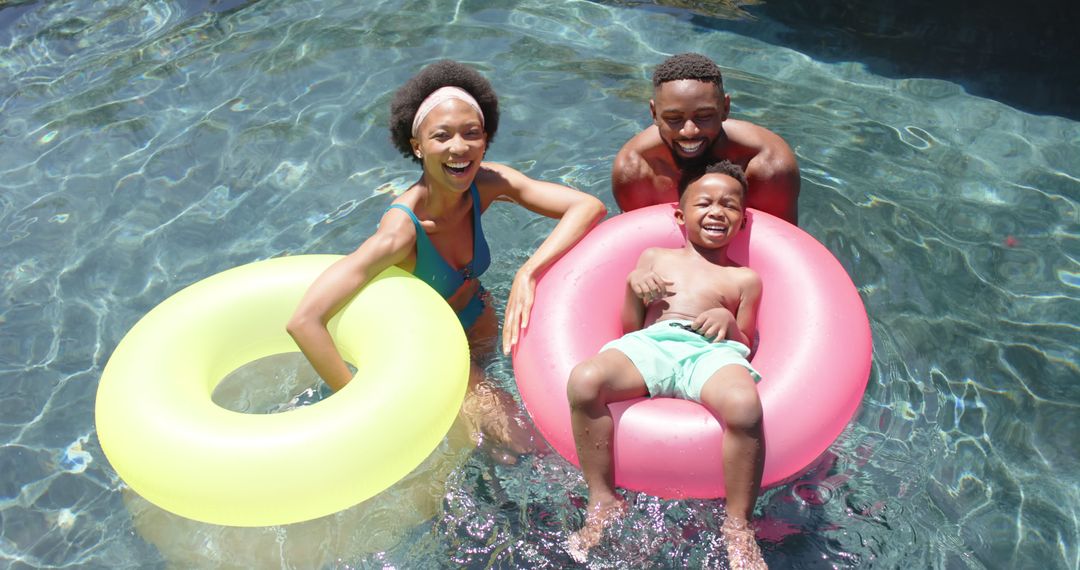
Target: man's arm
634, 183
772, 172
774, 185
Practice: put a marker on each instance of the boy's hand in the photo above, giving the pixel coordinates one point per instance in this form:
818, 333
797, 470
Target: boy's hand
717, 324
648, 286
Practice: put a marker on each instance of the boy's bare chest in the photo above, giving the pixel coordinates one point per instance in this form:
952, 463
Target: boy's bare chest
699, 288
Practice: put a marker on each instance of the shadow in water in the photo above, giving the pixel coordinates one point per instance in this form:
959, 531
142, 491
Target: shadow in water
1021, 54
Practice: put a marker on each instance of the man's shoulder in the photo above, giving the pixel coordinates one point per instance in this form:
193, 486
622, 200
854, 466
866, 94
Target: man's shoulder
757, 144
629, 167
638, 158
746, 132
641, 175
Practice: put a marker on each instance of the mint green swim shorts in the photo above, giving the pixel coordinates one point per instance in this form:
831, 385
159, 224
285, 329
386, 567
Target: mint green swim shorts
676, 362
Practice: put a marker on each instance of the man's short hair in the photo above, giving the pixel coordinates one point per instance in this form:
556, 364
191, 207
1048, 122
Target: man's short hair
688, 66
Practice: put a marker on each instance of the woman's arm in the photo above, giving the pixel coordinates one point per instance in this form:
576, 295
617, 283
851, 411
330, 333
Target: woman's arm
391, 244
577, 213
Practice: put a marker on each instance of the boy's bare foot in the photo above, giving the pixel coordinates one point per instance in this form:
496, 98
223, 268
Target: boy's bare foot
599, 517
742, 547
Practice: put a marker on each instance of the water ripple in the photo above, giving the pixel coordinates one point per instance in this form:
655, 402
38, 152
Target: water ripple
149, 144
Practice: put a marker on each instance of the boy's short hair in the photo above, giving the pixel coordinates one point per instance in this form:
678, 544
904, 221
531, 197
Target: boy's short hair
723, 167
688, 66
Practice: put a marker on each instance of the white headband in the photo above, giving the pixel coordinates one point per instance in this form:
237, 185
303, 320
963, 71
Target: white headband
442, 95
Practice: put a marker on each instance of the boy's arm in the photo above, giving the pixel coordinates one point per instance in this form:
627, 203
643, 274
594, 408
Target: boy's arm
641, 283
633, 313
749, 299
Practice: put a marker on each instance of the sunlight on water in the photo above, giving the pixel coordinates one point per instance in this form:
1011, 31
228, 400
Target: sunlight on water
149, 144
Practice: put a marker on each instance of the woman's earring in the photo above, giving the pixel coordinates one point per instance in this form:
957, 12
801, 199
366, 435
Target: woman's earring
419, 154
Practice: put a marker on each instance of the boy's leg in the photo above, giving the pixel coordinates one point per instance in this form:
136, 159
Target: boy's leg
607, 377
732, 396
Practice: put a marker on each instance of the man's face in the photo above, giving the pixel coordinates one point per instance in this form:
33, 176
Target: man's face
689, 114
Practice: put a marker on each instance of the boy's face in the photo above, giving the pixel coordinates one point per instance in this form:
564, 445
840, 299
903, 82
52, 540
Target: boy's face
712, 210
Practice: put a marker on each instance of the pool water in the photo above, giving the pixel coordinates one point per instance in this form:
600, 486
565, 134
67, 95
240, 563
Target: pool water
145, 145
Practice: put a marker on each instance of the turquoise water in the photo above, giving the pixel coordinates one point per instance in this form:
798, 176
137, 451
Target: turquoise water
146, 145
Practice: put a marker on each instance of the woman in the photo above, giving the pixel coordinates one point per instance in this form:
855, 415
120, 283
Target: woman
444, 118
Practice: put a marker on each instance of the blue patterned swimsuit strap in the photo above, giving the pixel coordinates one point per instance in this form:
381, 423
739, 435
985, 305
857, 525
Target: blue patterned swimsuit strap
481, 258
430, 266
434, 270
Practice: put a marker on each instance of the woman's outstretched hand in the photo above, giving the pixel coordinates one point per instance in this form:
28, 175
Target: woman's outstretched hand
518, 307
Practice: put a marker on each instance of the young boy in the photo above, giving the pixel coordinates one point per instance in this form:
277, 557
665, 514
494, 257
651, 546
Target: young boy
699, 311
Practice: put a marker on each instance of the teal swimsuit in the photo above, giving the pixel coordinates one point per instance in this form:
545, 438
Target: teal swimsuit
432, 269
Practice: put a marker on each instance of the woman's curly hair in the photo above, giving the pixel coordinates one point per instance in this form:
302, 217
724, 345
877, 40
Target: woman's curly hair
442, 73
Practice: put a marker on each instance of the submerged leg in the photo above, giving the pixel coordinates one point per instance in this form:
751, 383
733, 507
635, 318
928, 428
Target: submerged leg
498, 423
495, 419
608, 377
732, 396
742, 548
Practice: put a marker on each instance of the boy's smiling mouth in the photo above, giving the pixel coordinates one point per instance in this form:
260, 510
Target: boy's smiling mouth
715, 229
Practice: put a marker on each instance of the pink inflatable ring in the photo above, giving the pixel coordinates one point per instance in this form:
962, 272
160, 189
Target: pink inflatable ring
814, 353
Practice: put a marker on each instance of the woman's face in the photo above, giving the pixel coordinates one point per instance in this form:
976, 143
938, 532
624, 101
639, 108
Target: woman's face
451, 143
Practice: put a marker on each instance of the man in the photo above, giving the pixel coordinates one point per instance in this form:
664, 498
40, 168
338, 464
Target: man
691, 128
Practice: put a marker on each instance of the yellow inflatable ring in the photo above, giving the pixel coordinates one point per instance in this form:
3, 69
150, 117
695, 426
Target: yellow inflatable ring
174, 446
